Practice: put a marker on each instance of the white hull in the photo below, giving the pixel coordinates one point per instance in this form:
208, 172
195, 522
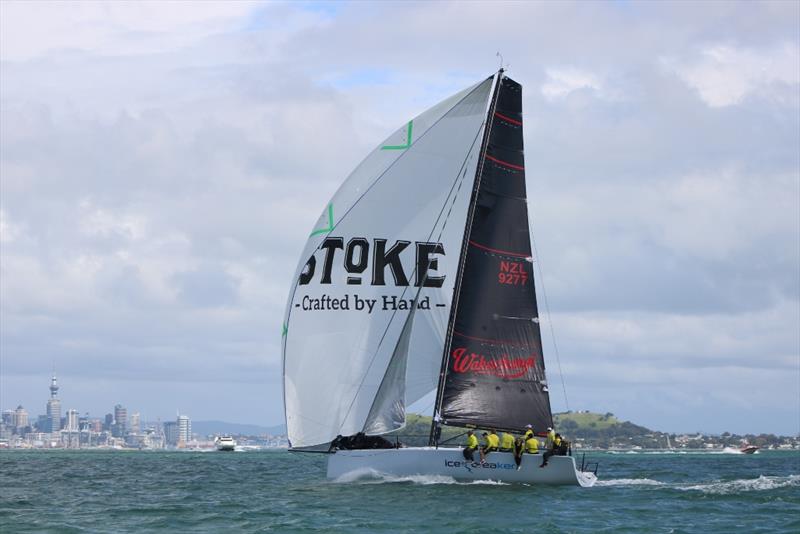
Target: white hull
499, 466
226, 444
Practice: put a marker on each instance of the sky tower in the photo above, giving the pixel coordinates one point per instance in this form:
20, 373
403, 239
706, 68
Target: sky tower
54, 406
53, 386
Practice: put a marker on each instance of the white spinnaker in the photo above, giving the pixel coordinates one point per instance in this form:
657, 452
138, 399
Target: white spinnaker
335, 360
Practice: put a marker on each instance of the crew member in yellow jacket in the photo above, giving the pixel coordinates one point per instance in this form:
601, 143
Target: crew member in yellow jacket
491, 444
532, 445
506, 442
519, 447
472, 444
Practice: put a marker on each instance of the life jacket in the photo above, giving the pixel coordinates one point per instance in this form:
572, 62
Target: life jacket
556, 442
492, 441
532, 445
472, 442
507, 441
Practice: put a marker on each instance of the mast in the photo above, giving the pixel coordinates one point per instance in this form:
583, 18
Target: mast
493, 370
433, 437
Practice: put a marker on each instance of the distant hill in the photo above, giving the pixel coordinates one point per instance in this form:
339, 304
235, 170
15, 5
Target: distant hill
594, 425
206, 428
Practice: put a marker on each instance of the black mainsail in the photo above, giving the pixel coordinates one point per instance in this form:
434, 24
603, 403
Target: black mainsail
493, 370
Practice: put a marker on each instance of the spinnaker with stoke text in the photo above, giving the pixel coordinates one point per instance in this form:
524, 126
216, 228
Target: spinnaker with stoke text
418, 277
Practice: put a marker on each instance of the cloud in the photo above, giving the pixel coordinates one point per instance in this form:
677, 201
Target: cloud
116, 28
726, 75
563, 81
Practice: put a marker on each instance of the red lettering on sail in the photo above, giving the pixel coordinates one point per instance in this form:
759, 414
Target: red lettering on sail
512, 273
503, 367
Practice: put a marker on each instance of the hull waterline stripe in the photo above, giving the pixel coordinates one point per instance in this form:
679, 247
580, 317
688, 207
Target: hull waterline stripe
498, 251
508, 119
505, 163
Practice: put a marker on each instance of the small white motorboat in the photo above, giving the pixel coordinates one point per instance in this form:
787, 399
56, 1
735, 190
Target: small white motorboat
225, 443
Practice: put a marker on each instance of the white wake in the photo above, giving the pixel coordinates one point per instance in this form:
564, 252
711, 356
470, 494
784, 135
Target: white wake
371, 476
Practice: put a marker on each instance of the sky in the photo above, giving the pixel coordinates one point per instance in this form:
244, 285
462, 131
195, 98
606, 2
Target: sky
162, 164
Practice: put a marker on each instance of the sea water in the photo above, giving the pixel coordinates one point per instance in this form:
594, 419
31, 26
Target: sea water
278, 491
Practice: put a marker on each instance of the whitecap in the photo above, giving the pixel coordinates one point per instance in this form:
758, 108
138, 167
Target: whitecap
762, 483
629, 482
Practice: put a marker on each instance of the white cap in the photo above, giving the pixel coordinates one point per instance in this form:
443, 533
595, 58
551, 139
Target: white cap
528, 426
549, 428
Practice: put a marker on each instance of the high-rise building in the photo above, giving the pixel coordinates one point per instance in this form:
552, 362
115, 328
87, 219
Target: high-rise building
135, 425
8, 417
72, 421
109, 420
184, 428
121, 417
20, 418
53, 407
171, 432
96, 425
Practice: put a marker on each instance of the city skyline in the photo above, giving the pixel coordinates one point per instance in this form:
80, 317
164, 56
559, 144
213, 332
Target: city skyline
116, 429
118, 413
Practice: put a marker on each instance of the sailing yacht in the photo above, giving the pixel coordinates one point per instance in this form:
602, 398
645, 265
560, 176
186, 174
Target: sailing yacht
418, 277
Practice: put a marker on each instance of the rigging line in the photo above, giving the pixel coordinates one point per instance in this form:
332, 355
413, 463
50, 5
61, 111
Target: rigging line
460, 175
547, 311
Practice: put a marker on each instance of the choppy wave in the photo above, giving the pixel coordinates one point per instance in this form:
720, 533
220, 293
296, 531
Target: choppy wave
726, 450
371, 476
729, 487
630, 482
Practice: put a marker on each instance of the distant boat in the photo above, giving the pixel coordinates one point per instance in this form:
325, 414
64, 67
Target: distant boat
225, 443
418, 277
748, 449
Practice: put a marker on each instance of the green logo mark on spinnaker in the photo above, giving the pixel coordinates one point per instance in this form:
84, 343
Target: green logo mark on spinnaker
408, 140
330, 223
284, 330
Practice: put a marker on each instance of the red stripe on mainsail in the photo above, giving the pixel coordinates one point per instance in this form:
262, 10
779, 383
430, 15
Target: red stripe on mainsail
493, 341
505, 163
508, 119
498, 251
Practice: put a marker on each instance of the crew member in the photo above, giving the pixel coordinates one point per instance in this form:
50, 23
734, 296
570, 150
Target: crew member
554, 449
532, 445
520, 445
551, 436
472, 444
491, 444
506, 442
